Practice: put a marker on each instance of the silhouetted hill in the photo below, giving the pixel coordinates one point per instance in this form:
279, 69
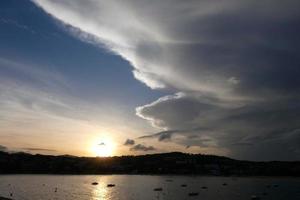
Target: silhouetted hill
166, 163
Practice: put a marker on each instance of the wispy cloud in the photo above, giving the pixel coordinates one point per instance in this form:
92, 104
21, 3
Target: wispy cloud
37, 105
38, 149
162, 136
17, 24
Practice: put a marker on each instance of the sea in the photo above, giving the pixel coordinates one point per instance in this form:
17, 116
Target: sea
147, 187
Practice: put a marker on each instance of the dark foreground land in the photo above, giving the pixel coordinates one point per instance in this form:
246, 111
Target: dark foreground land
167, 163
2, 198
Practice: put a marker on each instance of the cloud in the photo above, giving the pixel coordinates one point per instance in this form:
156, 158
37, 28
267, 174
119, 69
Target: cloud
233, 66
38, 149
31, 95
129, 142
140, 147
162, 136
245, 130
28, 88
17, 24
167, 135
38, 101
195, 46
3, 148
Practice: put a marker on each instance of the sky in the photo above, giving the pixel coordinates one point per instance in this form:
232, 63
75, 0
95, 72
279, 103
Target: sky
129, 77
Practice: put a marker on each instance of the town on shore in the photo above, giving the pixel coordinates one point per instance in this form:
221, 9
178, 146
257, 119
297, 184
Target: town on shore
164, 163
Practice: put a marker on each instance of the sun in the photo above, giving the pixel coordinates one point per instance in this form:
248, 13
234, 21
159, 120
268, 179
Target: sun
103, 147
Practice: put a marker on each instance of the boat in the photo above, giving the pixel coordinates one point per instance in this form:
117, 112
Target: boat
158, 189
254, 197
183, 185
193, 194
111, 185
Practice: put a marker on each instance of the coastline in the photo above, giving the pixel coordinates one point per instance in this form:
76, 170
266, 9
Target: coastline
3, 198
173, 163
167, 175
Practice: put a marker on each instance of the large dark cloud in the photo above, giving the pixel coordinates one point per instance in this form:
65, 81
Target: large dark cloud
234, 66
256, 131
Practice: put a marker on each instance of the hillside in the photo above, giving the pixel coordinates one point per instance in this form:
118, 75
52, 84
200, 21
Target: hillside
166, 163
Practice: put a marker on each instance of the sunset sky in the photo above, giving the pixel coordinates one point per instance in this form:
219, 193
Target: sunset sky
105, 78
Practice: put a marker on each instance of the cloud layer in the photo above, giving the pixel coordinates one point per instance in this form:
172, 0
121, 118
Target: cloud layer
233, 65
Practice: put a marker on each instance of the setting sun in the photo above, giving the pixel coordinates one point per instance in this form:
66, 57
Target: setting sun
103, 147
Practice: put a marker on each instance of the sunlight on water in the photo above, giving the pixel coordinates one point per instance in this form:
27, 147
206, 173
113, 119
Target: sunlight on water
100, 192
138, 187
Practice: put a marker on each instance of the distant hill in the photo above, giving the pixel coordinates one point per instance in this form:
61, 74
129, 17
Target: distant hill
165, 163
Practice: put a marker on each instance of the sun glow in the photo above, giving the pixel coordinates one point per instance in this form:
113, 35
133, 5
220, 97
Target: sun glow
103, 147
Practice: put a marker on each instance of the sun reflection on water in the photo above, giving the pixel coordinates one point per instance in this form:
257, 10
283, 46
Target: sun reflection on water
101, 192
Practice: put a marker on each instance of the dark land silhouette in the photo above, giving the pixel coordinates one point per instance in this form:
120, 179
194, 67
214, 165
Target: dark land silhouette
3, 198
164, 163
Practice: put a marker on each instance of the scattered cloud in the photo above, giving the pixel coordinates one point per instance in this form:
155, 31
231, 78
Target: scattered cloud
129, 142
141, 147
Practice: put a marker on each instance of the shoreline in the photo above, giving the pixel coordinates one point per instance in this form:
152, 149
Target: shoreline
167, 175
3, 198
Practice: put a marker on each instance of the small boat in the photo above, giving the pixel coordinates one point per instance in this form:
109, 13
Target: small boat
264, 193
183, 185
158, 189
204, 187
224, 184
169, 180
94, 183
254, 197
111, 185
193, 194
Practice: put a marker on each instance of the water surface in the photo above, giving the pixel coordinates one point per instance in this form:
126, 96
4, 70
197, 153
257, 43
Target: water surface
140, 187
